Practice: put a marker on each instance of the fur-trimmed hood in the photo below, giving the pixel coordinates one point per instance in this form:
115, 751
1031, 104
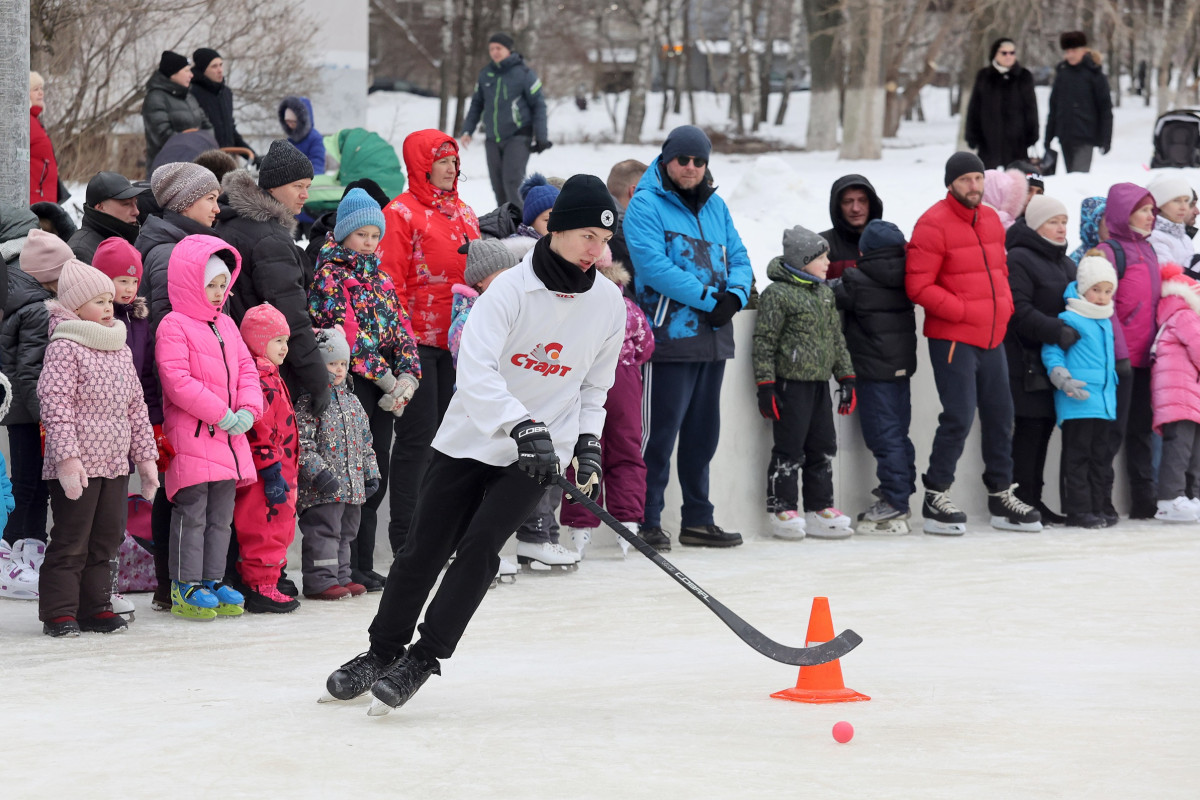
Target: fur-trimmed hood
247, 199
138, 309
1176, 284
302, 108
617, 272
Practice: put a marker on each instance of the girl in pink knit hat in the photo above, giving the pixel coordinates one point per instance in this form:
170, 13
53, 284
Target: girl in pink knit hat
96, 424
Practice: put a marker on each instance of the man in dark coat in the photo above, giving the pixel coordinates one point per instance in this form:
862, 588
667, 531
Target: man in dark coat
209, 89
258, 220
1080, 104
110, 209
168, 108
852, 204
508, 99
1002, 116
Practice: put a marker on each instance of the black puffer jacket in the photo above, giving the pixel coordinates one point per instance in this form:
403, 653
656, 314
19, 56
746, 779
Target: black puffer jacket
276, 271
167, 110
24, 335
880, 325
1002, 116
1038, 272
217, 101
156, 242
1080, 105
95, 228
843, 239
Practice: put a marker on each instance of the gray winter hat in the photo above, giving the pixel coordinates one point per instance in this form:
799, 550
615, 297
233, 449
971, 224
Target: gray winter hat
484, 257
801, 247
283, 164
176, 186
332, 345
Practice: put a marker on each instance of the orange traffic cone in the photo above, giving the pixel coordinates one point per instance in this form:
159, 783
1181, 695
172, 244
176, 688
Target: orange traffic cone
822, 683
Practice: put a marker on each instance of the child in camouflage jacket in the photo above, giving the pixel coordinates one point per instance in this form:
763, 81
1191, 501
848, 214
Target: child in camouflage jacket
798, 346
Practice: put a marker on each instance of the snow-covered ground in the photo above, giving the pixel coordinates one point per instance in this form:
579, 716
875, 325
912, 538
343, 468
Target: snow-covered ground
1000, 665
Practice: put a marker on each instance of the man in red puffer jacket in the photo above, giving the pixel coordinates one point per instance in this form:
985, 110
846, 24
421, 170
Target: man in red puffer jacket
957, 271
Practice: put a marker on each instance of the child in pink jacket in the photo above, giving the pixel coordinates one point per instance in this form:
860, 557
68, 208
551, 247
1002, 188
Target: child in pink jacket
96, 424
211, 398
1175, 390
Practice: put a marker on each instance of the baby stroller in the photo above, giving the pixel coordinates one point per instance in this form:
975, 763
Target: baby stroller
1177, 139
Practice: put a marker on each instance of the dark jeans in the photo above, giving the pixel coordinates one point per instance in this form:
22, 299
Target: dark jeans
681, 400
362, 548
805, 443
1135, 418
465, 508
885, 413
1086, 473
28, 517
506, 167
1078, 157
76, 580
414, 432
970, 378
1030, 441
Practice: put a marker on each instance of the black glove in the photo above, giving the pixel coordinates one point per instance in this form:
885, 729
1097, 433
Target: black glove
535, 451
1067, 337
326, 483
768, 403
587, 465
540, 147
274, 486
847, 397
371, 486
320, 401
728, 304
1124, 369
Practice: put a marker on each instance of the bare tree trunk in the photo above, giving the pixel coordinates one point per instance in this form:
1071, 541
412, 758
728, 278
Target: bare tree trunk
466, 54
893, 106
647, 24
862, 127
824, 23
448, 17
14, 103
795, 41
1175, 28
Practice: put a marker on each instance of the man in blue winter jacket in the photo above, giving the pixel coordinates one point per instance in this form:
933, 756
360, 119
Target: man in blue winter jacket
508, 99
691, 275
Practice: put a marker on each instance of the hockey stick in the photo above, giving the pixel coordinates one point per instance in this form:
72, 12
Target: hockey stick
821, 653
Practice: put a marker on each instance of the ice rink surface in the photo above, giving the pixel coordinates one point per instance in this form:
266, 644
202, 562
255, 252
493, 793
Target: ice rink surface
999, 665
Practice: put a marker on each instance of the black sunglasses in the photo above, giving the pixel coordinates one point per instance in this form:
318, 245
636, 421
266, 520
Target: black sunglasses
1007, 52
683, 161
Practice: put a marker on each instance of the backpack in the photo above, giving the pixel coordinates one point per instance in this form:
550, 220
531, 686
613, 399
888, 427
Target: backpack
1118, 256
135, 556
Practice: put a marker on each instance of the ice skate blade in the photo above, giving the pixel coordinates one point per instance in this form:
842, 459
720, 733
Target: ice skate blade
1003, 524
944, 528
499, 579
831, 533
895, 527
327, 698
378, 708
528, 567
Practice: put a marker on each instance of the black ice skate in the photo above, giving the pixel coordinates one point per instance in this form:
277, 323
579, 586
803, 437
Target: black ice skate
355, 676
1009, 513
942, 517
401, 682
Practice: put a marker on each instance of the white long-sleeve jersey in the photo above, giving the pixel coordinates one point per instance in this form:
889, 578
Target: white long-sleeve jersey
528, 352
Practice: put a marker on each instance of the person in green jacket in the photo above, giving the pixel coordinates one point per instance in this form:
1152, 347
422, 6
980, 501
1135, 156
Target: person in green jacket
798, 346
508, 99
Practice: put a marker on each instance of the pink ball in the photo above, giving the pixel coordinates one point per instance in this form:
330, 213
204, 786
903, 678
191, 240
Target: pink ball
843, 732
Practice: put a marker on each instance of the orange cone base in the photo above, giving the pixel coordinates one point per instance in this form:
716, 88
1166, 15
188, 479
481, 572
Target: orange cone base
798, 695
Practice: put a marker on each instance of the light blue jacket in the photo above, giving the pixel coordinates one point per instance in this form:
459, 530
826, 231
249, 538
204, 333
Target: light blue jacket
681, 259
1090, 360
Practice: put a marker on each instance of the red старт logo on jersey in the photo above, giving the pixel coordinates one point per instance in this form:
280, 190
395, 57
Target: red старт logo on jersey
543, 359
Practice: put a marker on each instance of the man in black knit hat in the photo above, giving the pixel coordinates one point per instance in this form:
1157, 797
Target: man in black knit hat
534, 369
509, 100
215, 97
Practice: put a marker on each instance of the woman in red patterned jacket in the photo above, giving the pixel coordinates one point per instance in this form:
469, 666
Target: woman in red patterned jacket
426, 226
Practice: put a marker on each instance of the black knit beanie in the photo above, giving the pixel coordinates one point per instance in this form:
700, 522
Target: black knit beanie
283, 164
960, 164
584, 202
170, 63
202, 58
502, 38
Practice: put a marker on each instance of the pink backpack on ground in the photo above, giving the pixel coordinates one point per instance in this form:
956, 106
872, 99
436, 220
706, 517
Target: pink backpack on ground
135, 571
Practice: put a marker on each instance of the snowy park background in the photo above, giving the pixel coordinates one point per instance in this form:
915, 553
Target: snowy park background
1053, 665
